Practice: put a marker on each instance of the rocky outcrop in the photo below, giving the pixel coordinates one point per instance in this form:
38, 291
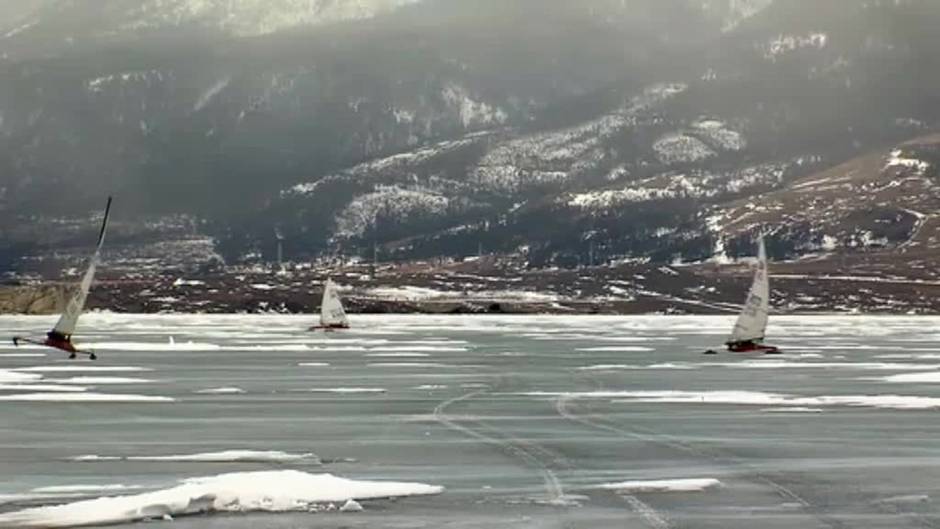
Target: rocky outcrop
33, 299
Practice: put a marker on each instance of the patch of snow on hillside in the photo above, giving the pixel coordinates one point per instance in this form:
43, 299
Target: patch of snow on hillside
209, 94
720, 136
616, 197
398, 163
146, 77
785, 44
472, 113
558, 155
680, 148
897, 159
19, 29
388, 203
696, 184
254, 17
741, 10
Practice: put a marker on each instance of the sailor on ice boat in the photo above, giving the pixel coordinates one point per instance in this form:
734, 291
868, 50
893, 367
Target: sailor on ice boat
749, 330
332, 315
60, 337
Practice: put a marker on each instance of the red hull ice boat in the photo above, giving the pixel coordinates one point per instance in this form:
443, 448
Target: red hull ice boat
751, 347
329, 328
60, 337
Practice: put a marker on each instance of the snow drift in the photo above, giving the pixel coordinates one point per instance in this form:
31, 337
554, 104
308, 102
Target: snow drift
273, 491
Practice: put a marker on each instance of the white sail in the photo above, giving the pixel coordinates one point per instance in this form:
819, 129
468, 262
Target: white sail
331, 309
69, 319
752, 323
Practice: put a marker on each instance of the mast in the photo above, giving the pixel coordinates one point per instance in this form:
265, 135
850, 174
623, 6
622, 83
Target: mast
69, 318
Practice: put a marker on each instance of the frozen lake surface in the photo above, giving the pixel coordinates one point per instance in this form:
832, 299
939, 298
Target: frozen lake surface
597, 422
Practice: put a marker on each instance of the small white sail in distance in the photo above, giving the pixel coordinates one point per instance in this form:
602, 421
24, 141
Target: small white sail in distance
69, 319
752, 322
331, 309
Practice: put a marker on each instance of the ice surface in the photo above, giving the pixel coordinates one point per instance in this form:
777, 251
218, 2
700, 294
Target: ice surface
152, 346
785, 364
83, 397
273, 491
83, 488
80, 368
663, 485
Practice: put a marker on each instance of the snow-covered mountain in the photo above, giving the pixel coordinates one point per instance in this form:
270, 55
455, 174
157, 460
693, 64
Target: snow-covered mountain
237, 17
545, 128
254, 17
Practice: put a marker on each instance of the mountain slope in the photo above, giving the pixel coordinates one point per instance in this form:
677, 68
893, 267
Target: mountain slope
557, 132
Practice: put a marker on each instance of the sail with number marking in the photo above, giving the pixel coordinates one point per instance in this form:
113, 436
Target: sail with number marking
69, 319
752, 323
331, 309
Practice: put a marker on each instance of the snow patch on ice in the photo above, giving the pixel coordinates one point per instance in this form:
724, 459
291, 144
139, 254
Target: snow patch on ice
273, 491
615, 367
792, 409
101, 380
221, 391
897, 402
17, 376
663, 485
617, 349
42, 387
234, 456
398, 355
345, 390
914, 378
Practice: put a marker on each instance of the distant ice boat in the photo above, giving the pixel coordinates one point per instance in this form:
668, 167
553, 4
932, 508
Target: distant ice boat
60, 337
748, 333
332, 314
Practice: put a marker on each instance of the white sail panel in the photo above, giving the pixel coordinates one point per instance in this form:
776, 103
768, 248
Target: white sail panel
69, 319
752, 323
331, 309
